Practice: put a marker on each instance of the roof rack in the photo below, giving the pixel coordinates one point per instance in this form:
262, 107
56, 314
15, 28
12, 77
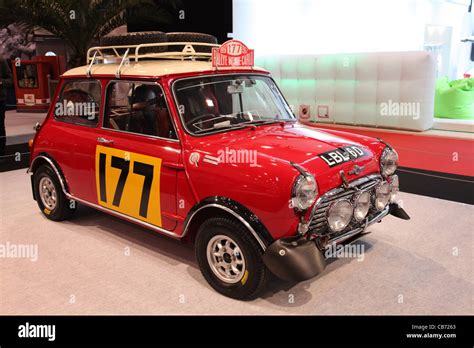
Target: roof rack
104, 53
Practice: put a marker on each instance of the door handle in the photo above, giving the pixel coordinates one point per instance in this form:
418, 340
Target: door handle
104, 141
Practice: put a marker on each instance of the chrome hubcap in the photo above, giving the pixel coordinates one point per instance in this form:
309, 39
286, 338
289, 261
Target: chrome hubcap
225, 259
47, 193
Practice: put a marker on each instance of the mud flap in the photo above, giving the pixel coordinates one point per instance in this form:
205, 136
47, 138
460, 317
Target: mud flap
294, 259
398, 211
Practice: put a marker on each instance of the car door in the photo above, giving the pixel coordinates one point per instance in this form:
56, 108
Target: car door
135, 155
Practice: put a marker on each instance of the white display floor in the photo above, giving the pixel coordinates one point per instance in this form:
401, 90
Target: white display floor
22, 122
97, 264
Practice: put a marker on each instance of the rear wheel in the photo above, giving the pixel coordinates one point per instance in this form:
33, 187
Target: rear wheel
50, 197
230, 259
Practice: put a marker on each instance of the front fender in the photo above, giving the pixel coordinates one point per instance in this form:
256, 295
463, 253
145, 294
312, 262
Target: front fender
236, 209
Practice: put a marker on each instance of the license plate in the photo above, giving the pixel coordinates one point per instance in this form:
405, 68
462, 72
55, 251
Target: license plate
342, 155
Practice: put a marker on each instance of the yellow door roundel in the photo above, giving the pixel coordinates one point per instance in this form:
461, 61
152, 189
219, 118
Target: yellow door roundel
129, 183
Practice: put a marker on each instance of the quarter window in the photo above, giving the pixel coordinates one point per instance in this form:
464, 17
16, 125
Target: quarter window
79, 103
139, 108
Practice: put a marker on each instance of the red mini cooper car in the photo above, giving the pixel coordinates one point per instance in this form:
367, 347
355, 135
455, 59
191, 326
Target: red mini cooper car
190, 140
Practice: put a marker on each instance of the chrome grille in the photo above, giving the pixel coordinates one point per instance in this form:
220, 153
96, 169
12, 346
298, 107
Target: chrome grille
318, 222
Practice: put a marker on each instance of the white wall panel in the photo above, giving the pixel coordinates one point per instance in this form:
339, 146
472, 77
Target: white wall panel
356, 88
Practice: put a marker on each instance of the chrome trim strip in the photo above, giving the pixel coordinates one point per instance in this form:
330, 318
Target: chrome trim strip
139, 134
51, 163
364, 179
244, 222
125, 217
353, 232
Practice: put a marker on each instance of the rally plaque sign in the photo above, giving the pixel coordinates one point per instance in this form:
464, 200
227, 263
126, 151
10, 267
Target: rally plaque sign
233, 53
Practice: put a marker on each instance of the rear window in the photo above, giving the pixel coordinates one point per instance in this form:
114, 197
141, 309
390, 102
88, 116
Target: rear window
79, 103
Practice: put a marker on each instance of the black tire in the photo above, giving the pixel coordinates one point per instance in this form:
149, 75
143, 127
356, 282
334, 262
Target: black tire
137, 38
255, 276
64, 208
191, 37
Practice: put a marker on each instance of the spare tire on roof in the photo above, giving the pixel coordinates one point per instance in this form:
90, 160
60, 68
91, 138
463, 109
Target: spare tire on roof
191, 37
142, 37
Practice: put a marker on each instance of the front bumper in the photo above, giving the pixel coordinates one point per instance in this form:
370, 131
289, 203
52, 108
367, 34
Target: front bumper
297, 258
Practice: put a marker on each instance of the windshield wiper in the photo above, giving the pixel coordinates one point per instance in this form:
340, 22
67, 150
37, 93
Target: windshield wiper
245, 125
258, 123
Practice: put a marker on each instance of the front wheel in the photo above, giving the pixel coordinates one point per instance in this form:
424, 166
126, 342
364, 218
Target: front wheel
230, 259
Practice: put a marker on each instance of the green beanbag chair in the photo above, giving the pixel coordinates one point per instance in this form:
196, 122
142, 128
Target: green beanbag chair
454, 99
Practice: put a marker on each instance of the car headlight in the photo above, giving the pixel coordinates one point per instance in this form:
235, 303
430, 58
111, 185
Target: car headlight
339, 215
394, 187
361, 205
388, 161
382, 195
305, 190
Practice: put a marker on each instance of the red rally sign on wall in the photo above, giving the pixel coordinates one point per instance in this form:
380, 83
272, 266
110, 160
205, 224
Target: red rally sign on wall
232, 53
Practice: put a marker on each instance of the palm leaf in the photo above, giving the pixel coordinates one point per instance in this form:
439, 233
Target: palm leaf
79, 23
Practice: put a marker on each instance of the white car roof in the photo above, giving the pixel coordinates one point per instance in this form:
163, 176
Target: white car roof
151, 68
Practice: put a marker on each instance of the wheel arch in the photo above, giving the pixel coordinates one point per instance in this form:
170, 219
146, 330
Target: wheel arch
44, 158
218, 205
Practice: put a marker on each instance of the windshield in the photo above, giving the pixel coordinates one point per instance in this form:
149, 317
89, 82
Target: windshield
215, 103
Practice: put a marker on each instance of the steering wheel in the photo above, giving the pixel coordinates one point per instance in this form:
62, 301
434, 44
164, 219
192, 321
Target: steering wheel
197, 119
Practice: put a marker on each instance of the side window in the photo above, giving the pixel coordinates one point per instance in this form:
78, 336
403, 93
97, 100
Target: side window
79, 103
138, 107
